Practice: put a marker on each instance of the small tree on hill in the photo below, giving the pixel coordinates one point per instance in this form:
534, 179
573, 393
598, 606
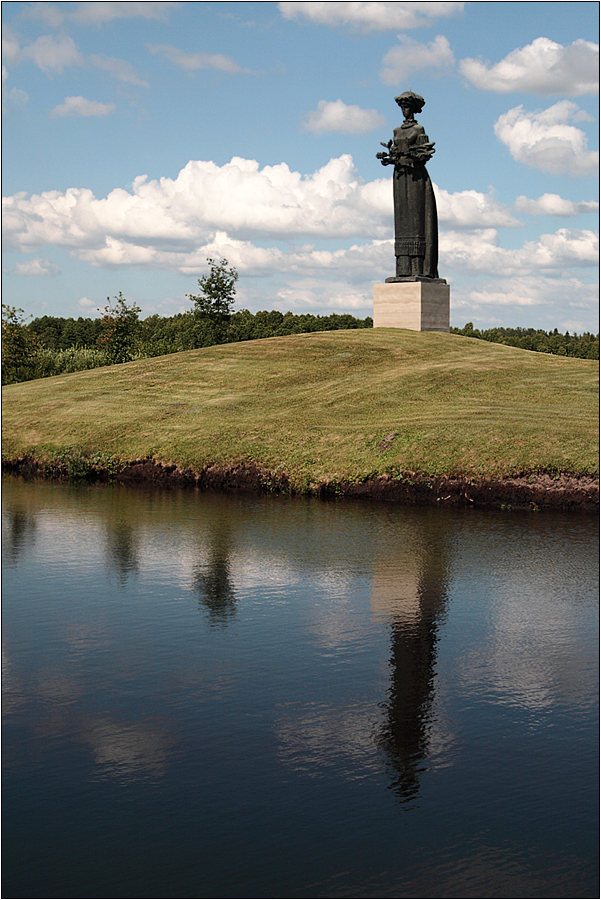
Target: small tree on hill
213, 307
120, 327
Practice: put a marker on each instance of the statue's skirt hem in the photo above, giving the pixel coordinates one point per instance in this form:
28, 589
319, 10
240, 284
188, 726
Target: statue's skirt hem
415, 278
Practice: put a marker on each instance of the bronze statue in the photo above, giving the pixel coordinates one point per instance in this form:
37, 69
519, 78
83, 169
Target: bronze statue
415, 217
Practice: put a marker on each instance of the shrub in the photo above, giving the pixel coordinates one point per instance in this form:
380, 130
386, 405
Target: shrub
54, 362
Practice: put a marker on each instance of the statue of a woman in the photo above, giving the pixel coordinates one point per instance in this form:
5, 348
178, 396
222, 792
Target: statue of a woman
415, 217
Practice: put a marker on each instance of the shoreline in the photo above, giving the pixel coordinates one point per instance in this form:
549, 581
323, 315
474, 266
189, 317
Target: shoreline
526, 491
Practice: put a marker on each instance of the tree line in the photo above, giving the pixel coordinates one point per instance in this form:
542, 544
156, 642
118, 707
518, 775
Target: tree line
581, 346
49, 345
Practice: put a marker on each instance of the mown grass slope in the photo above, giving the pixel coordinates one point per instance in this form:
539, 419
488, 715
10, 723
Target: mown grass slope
324, 406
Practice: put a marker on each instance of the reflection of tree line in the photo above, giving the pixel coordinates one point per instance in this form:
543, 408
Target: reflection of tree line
211, 581
415, 620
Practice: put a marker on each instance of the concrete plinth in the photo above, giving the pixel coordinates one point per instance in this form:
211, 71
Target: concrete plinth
418, 305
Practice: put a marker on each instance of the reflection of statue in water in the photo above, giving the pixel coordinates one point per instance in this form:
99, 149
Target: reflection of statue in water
416, 613
415, 216
213, 582
122, 550
406, 734
21, 533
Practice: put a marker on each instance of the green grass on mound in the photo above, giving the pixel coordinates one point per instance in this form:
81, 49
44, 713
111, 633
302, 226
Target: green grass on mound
324, 406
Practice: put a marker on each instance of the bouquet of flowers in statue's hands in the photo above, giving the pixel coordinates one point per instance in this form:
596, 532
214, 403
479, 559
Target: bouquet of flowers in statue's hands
389, 158
415, 154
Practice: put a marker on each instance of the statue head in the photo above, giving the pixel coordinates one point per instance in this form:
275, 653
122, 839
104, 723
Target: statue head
413, 101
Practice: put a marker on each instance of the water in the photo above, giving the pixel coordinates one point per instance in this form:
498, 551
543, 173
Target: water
211, 696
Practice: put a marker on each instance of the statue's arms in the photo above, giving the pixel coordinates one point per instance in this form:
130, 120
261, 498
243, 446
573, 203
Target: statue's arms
418, 154
389, 158
423, 152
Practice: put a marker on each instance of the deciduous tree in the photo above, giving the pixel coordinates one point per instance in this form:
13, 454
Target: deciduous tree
120, 327
19, 346
214, 305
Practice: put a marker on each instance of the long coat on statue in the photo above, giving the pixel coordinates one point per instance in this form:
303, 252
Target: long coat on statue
415, 216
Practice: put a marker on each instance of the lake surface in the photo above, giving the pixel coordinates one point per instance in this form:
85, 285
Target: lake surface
211, 696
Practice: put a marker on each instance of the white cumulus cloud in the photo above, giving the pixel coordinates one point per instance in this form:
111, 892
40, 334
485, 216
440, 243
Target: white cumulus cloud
98, 13
191, 62
544, 139
334, 115
238, 198
472, 209
411, 56
10, 46
339, 295
535, 290
479, 251
235, 209
388, 16
543, 67
554, 205
52, 54
118, 68
563, 249
79, 106
11, 96
41, 268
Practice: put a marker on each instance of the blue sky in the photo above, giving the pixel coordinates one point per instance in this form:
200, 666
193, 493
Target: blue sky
141, 138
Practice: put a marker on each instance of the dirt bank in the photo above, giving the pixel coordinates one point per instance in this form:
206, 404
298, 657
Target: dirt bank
563, 491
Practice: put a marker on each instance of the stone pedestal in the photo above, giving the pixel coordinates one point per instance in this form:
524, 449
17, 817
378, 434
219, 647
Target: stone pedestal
417, 305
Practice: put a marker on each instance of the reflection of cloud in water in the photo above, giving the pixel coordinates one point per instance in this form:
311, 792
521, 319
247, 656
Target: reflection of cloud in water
338, 616
81, 540
535, 655
442, 741
395, 592
337, 738
506, 869
127, 751
335, 584
83, 637
56, 687
335, 627
341, 739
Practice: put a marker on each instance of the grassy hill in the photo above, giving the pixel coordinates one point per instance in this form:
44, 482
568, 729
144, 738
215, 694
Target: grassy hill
326, 406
